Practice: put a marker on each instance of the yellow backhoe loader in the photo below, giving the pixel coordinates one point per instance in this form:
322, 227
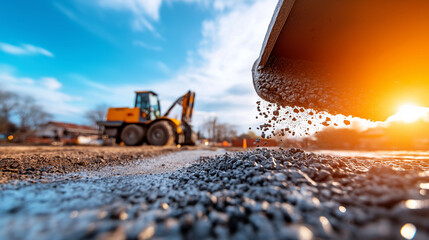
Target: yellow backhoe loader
145, 124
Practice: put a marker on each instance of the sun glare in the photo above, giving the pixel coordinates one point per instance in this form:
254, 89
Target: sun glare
409, 113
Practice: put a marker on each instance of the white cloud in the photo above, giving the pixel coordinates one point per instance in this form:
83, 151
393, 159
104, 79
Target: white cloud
90, 83
138, 7
44, 90
219, 71
51, 83
143, 11
24, 49
163, 68
227, 4
219, 5
147, 46
94, 28
222, 80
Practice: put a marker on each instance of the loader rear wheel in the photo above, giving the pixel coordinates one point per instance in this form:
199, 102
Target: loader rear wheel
190, 136
160, 134
132, 135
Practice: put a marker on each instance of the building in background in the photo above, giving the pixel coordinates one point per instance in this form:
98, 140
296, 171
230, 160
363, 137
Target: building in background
62, 132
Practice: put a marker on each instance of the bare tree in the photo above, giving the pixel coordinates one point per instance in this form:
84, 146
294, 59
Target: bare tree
20, 109
8, 104
209, 127
24, 112
226, 132
98, 113
30, 114
219, 131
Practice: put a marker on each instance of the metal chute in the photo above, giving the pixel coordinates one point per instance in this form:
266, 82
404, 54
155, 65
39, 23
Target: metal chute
373, 55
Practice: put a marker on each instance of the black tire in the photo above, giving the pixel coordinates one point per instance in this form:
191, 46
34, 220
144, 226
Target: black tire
132, 135
160, 134
192, 141
190, 136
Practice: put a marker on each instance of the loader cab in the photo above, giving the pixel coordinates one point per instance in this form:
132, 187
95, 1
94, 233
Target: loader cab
148, 103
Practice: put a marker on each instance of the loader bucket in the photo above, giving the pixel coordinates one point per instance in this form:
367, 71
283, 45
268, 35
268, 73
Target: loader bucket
363, 58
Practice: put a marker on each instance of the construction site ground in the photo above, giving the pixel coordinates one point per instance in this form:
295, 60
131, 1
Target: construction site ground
31, 164
50, 192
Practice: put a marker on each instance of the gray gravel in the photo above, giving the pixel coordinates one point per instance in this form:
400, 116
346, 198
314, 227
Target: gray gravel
161, 164
263, 194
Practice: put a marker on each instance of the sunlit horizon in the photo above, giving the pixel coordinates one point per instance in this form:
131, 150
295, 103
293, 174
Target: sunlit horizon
409, 113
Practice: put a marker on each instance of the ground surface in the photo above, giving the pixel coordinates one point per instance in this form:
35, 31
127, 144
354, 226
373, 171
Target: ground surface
43, 163
195, 193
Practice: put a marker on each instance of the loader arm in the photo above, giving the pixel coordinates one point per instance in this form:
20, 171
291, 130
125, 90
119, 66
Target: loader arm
187, 103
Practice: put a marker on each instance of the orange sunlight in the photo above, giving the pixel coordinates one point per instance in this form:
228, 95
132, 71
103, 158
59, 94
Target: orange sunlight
409, 113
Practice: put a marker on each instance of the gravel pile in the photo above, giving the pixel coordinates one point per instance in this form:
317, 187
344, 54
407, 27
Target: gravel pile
292, 194
263, 194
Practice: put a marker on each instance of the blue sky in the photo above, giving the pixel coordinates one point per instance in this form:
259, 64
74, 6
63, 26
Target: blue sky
74, 54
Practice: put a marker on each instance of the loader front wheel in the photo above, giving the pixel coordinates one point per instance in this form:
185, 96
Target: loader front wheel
132, 135
160, 134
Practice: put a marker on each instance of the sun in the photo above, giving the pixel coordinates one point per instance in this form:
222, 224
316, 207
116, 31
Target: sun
409, 113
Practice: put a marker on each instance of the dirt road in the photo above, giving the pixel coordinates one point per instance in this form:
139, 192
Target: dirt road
47, 163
